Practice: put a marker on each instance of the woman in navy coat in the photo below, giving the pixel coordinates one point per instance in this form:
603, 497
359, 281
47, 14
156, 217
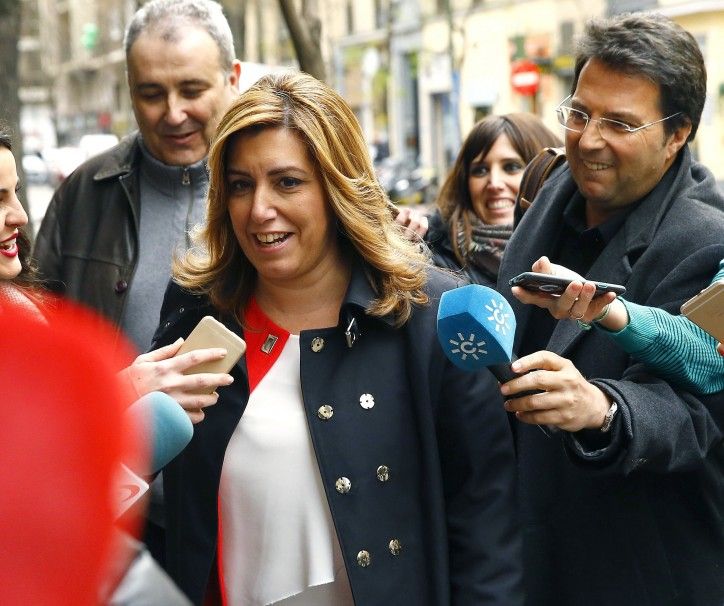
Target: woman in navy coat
349, 462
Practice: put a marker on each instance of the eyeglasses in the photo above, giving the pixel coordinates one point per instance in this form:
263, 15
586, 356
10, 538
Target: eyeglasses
577, 121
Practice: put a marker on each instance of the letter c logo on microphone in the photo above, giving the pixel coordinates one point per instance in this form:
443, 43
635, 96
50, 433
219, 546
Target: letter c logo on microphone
475, 326
499, 316
467, 347
474, 345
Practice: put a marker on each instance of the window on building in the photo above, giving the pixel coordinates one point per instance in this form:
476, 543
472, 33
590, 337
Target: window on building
566, 31
481, 111
64, 36
614, 7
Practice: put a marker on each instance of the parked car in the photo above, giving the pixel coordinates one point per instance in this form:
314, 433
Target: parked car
35, 169
95, 143
405, 182
61, 161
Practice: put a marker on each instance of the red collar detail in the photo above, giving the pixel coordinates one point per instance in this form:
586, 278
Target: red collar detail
257, 328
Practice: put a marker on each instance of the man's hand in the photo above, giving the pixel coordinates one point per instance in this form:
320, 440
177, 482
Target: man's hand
577, 302
159, 370
568, 402
414, 221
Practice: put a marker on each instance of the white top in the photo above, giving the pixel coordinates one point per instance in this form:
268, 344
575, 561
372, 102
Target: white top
278, 539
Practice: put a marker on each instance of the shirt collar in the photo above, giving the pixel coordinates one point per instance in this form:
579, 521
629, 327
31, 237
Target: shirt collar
574, 215
167, 179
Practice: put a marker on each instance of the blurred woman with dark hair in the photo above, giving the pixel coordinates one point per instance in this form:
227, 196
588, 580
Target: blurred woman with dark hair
17, 285
474, 220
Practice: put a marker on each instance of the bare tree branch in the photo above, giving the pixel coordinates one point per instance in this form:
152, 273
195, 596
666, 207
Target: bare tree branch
305, 29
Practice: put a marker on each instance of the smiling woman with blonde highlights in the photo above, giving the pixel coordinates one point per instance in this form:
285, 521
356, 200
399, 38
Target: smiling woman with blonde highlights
334, 139
349, 462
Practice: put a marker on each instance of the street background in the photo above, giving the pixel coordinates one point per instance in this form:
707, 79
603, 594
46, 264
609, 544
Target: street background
418, 73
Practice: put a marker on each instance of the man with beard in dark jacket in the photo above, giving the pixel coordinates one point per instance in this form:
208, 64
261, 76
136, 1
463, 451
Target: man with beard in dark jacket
622, 495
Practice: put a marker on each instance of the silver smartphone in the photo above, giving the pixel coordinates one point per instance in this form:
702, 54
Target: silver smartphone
706, 310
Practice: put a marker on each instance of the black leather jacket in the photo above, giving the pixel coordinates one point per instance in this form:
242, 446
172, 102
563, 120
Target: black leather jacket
87, 246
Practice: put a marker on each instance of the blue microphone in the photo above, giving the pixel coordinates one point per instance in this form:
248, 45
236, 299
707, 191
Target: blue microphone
476, 328
170, 428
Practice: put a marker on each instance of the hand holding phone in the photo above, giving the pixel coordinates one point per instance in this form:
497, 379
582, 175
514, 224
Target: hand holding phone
706, 310
556, 285
209, 332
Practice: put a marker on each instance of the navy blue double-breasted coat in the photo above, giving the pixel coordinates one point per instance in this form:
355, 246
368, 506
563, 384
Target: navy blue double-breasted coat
442, 433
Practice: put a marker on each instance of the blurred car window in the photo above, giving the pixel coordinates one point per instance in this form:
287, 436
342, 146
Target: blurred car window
94, 144
35, 169
62, 161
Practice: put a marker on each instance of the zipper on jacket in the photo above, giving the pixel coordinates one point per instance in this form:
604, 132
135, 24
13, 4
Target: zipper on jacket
186, 177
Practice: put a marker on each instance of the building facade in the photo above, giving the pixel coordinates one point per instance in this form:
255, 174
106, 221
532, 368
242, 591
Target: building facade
417, 73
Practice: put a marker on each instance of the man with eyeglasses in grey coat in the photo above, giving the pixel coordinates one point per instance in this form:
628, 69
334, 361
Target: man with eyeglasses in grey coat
621, 496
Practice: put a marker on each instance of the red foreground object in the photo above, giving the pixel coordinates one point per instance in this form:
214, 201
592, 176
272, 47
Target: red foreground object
62, 440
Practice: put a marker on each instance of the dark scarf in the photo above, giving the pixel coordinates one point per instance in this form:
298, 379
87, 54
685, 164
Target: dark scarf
485, 246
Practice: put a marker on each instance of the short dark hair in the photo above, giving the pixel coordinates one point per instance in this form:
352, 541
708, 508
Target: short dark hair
655, 47
6, 140
167, 16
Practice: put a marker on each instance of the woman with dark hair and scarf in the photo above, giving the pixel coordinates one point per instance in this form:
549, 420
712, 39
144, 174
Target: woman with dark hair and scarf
474, 220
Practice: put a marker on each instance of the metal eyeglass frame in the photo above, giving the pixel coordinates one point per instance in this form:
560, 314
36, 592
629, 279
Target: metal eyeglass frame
619, 127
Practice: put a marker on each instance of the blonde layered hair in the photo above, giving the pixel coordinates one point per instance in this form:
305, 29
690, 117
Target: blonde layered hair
216, 266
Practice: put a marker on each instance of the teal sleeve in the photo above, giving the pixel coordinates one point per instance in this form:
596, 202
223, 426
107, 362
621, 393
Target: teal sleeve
672, 346
720, 274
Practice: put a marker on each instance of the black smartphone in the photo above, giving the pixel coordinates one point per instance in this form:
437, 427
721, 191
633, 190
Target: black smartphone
555, 285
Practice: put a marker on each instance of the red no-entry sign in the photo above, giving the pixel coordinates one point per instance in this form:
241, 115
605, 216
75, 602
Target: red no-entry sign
524, 77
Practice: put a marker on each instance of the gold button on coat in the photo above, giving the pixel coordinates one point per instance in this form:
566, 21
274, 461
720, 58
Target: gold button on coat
383, 473
395, 547
364, 558
317, 344
343, 485
325, 412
